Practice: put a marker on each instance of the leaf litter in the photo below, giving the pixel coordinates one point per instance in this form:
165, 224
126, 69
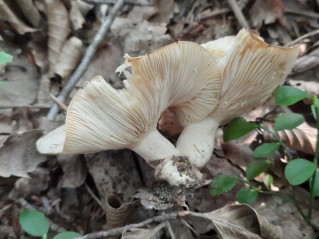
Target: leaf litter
47, 41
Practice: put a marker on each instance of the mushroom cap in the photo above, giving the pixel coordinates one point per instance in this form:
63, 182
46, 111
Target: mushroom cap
251, 69
101, 118
182, 76
53, 142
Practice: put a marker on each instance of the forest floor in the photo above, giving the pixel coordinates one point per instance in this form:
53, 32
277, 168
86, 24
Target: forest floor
93, 193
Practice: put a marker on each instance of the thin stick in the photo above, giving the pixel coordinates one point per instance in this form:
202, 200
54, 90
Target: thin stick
309, 34
118, 231
214, 13
238, 14
105, 26
59, 103
130, 2
94, 197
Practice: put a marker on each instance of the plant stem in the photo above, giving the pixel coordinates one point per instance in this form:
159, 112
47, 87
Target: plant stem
315, 161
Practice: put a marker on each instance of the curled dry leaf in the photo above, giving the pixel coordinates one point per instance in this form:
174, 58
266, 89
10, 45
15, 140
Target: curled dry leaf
303, 138
76, 16
19, 156
306, 62
69, 57
118, 213
59, 28
30, 12
7, 14
241, 221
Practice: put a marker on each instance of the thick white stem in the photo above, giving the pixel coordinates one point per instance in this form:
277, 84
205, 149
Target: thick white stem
155, 146
197, 141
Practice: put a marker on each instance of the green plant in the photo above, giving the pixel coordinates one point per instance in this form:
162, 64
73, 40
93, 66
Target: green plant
297, 170
36, 224
4, 58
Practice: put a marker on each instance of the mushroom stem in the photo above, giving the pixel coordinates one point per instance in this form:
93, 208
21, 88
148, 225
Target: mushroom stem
155, 146
197, 141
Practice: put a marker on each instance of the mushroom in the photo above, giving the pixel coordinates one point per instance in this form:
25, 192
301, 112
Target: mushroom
250, 70
182, 76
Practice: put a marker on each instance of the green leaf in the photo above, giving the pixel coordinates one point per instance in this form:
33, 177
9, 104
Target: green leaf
34, 222
268, 180
288, 121
237, 128
246, 195
223, 184
67, 235
299, 170
316, 185
257, 167
5, 58
3, 83
266, 149
287, 95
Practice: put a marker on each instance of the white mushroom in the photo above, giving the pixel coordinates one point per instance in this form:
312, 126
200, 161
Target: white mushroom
181, 75
250, 70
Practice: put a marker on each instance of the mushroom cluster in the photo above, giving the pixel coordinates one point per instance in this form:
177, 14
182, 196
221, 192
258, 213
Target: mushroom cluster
203, 85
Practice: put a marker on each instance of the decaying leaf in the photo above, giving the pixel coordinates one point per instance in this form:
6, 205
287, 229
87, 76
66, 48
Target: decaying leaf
303, 138
74, 170
76, 16
139, 233
118, 213
306, 62
30, 12
266, 11
7, 14
241, 221
19, 156
69, 57
59, 28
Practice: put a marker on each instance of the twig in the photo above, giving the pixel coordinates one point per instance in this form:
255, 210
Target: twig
120, 230
130, 2
238, 14
305, 14
214, 13
98, 201
59, 103
309, 34
105, 26
25, 106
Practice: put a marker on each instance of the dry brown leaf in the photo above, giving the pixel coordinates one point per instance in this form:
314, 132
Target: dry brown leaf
266, 11
74, 170
76, 16
241, 221
303, 138
69, 58
19, 156
140, 13
30, 12
114, 172
117, 213
7, 14
21, 78
311, 87
59, 29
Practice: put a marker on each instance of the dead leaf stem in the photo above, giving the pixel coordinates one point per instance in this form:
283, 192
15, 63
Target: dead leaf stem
238, 14
69, 86
119, 231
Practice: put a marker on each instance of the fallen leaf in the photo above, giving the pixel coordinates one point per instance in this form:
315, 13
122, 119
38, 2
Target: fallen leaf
30, 12
266, 11
241, 221
69, 57
18, 156
7, 14
59, 29
76, 16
